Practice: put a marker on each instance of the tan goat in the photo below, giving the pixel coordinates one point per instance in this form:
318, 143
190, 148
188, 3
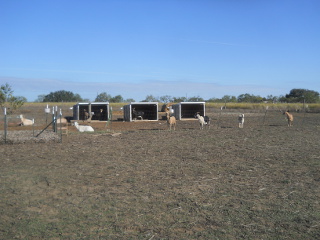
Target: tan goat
171, 121
289, 117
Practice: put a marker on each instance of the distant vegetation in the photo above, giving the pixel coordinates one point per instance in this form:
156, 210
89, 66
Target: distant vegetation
105, 97
8, 100
60, 96
294, 96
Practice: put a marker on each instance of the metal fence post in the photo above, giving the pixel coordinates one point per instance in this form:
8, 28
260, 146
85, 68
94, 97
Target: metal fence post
5, 125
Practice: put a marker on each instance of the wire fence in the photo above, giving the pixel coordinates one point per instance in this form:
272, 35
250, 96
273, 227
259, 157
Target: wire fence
51, 132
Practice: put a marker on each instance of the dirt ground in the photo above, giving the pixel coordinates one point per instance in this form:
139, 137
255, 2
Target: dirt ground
137, 180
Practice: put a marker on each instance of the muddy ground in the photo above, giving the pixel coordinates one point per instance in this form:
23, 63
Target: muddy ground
140, 181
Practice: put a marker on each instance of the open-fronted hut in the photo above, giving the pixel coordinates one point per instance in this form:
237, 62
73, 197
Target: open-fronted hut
96, 111
188, 110
135, 111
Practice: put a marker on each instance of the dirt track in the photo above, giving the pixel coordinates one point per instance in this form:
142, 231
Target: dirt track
139, 181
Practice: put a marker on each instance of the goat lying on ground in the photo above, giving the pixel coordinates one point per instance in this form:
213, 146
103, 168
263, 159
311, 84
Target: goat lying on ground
83, 128
203, 120
137, 114
289, 117
241, 120
25, 122
171, 121
63, 120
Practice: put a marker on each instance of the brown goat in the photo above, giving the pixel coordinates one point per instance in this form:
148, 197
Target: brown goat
289, 117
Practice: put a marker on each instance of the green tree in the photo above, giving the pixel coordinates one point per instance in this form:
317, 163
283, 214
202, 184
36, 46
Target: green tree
116, 99
129, 100
6, 92
249, 98
166, 99
300, 95
62, 96
2, 97
196, 99
228, 98
103, 97
7, 100
213, 99
271, 98
179, 99
40, 98
150, 98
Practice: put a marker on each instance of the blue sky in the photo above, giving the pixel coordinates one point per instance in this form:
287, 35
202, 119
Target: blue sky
136, 48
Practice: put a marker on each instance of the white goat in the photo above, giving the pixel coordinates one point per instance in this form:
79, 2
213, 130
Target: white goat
241, 120
201, 120
83, 128
25, 122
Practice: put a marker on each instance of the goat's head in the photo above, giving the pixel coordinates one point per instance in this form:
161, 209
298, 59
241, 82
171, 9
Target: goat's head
197, 115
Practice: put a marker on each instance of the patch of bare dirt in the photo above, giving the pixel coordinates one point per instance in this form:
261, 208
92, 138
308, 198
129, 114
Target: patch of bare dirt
137, 180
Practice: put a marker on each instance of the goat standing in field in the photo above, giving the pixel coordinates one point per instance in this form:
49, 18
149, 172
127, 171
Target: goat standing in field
86, 115
289, 117
171, 120
203, 120
241, 120
25, 122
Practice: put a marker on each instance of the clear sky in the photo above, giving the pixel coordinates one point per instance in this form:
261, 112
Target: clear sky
135, 48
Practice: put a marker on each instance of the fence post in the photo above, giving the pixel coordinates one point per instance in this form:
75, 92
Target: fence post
47, 111
265, 114
60, 115
56, 118
218, 123
5, 125
33, 126
53, 120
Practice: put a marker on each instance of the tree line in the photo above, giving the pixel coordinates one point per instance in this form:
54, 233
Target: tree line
294, 96
11, 102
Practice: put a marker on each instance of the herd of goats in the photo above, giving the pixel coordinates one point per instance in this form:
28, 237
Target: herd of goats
171, 121
205, 120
